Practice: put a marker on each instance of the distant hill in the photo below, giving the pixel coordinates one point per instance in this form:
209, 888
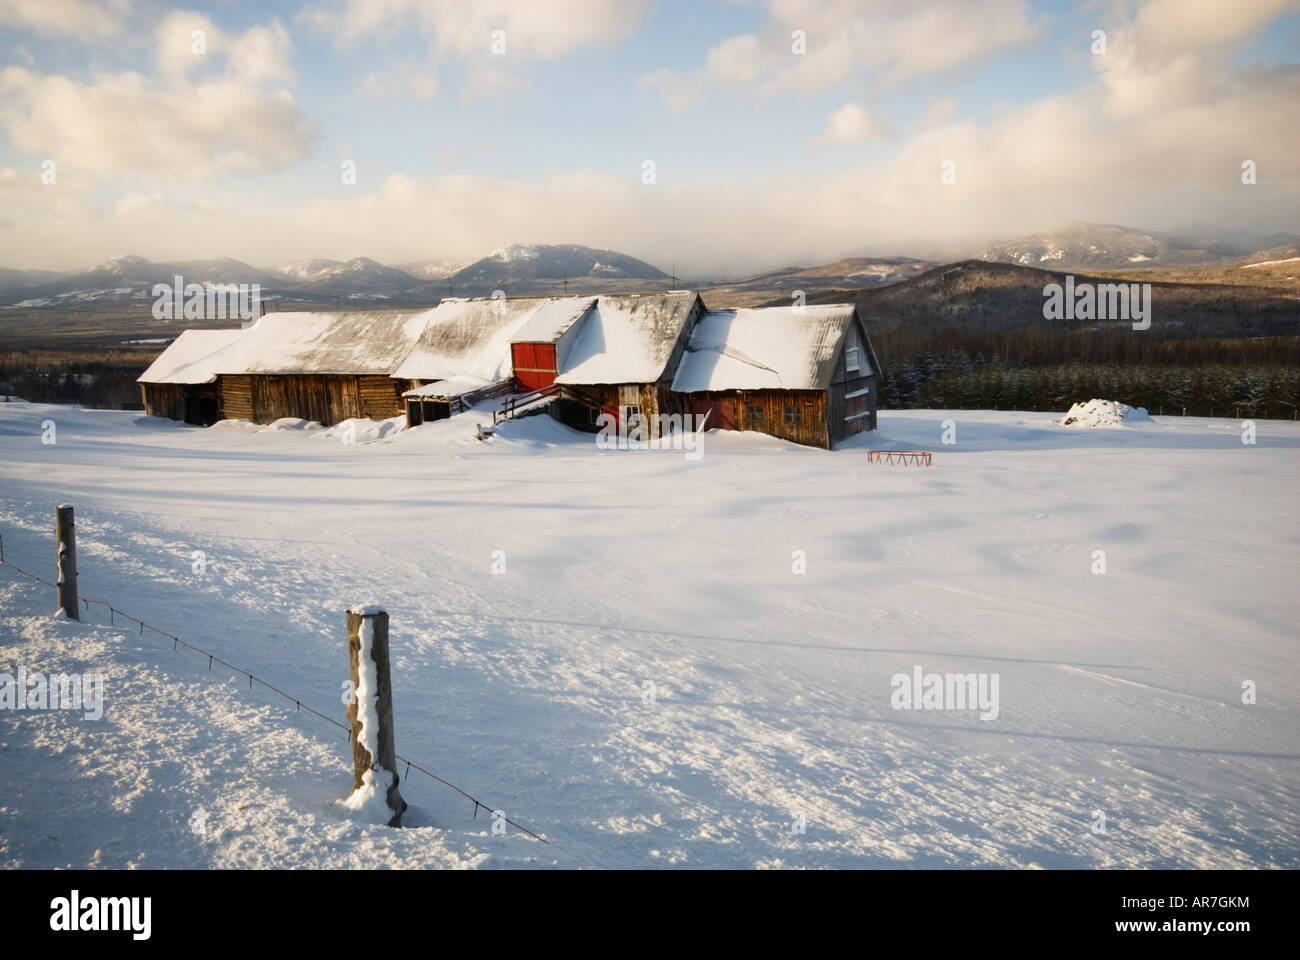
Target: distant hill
520, 269
432, 269
11, 279
1238, 242
310, 269
848, 273
1197, 253
1109, 246
979, 296
508, 266
1095, 245
1287, 253
131, 278
360, 277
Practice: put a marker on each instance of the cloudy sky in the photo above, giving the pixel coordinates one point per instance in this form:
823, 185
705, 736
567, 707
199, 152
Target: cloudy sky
476, 123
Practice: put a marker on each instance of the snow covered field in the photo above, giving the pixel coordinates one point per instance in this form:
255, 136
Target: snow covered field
1118, 692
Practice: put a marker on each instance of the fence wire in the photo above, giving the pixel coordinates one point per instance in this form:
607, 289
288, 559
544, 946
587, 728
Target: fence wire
114, 613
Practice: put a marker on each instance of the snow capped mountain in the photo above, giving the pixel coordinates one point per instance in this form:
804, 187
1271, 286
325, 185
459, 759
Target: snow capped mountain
436, 269
130, 277
1080, 245
123, 266
310, 269
526, 261
515, 251
534, 268
220, 270
361, 276
1110, 246
848, 273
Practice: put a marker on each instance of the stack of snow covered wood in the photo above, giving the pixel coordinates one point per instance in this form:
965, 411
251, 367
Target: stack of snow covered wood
808, 375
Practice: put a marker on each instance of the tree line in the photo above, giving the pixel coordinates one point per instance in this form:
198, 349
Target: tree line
952, 379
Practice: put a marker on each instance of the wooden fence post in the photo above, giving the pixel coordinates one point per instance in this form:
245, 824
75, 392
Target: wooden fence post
372, 697
66, 537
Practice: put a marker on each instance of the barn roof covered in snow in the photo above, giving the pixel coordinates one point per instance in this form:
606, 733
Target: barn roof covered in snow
471, 337
628, 338
766, 348
358, 343
552, 320
451, 387
191, 358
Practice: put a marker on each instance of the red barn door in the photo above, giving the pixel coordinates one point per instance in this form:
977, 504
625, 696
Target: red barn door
534, 364
721, 413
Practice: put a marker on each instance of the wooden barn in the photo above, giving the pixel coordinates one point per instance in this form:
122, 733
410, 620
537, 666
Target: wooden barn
465, 352
326, 367
623, 359
182, 383
810, 377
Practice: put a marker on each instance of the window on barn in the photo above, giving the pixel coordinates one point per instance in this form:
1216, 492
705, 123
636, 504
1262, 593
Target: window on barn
793, 415
754, 413
851, 359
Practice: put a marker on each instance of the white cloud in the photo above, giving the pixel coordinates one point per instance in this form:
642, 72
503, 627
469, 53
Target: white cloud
851, 124
1151, 141
529, 31
886, 41
66, 17
1168, 28
1059, 159
735, 60
883, 41
258, 55
124, 125
140, 206
203, 116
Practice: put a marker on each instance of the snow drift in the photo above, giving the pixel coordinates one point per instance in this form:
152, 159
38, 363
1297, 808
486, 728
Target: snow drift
1102, 413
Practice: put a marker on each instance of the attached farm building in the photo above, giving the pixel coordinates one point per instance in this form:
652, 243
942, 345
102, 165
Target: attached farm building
182, 383
809, 376
624, 357
326, 367
465, 352
541, 346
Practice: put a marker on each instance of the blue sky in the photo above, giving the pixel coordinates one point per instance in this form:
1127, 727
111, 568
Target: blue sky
776, 157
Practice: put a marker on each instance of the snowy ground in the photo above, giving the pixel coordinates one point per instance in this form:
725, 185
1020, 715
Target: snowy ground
1119, 693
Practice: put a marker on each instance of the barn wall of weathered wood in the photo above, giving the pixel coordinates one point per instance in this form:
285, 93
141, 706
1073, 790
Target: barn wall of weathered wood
381, 397
808, 413
196, 403
847, 416
325, 398
163, 400
236, 397
576, 401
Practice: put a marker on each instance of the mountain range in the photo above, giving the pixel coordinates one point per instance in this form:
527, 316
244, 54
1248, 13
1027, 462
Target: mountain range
1109, 246
521, 269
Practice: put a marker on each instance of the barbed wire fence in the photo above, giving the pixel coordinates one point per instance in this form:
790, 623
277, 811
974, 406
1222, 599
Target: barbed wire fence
177, 642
